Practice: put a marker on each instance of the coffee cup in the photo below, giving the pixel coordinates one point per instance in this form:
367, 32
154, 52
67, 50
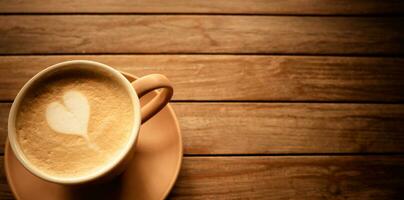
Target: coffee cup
78, 121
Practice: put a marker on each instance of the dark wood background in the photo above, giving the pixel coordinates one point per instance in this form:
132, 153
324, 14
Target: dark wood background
276, 99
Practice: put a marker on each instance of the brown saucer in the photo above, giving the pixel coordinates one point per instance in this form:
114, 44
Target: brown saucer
151, 175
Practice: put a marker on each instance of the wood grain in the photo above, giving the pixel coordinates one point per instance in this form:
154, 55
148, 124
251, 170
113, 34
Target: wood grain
295, 7
5, 192
259, 128
4, 110
281, 128
81, 34
289, 177
252, 78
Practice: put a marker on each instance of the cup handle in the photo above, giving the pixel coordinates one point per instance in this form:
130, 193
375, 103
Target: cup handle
149, 83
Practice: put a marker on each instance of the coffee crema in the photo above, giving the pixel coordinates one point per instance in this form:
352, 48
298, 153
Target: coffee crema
74, 123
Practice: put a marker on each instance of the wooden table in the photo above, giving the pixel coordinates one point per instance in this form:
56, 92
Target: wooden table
276, 99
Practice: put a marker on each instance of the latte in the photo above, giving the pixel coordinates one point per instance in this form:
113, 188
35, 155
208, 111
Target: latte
73, 123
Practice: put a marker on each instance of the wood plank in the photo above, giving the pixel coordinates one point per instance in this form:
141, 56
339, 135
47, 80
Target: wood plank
253, 78
4, 110
290, 177
295, 7
200, 34
5, 192
281, 128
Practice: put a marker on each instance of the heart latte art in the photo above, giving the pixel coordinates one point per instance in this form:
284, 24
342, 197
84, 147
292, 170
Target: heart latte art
74, 124
70, 116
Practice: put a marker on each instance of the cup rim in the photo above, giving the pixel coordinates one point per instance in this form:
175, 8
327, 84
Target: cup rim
104, 169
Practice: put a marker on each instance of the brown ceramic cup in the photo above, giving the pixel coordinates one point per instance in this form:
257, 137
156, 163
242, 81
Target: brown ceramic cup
135, 89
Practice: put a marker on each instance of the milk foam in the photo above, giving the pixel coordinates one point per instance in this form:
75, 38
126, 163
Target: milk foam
75, 124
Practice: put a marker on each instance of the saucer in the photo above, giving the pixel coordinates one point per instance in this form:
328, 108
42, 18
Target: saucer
150, 175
